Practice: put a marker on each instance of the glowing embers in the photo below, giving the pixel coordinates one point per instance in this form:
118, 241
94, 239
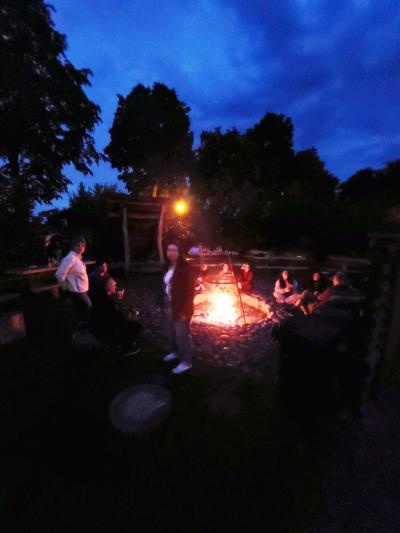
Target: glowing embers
222, 307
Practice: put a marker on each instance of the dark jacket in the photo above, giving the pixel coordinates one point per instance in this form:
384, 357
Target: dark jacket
247, 281
182, 291
105, 320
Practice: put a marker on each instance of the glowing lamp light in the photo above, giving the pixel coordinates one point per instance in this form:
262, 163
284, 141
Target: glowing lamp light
181, 207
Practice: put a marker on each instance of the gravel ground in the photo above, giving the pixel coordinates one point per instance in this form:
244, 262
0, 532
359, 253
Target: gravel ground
247, 348
362, 489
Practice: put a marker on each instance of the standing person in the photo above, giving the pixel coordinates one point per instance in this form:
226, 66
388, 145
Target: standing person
178, 295
72, 276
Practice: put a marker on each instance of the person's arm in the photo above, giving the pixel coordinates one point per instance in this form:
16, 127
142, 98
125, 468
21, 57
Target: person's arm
278, 288
62, 271
325, 296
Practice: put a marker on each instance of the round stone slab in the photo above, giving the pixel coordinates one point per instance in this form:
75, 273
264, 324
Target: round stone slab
140, 409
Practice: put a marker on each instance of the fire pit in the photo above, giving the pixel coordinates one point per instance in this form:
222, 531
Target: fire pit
221, 304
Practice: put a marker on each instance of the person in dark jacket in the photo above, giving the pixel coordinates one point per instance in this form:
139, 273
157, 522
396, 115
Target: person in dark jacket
107, 322
178, 294
98, 275
246, 282
308, 299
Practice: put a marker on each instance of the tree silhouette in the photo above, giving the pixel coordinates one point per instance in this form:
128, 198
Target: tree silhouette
151, 141
226, 182
273, 136
374, 187
46, 119
310, 174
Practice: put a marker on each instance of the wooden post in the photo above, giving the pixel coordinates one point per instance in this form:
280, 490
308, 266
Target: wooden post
125, 232
160, 234
392, 340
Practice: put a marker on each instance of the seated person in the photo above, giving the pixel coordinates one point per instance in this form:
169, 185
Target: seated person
97, 276
200, 287
286, 289
340, 288
107, 322
308, 299
226, 274
246, 282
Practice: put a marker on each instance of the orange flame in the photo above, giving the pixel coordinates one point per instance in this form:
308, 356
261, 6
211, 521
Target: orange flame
222, 307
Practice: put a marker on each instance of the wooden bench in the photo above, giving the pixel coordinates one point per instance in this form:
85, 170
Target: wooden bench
8, 297
53, 288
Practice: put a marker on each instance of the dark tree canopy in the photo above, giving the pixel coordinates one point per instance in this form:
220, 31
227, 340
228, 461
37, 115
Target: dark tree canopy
370, 186
46, 119
92, 199
226, 180
273, 136
151, 141
244, 181
310, 174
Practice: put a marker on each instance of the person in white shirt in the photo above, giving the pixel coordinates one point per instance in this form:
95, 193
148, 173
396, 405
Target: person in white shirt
72, 277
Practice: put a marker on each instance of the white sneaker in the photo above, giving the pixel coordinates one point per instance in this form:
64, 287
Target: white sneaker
170, 357
182, 367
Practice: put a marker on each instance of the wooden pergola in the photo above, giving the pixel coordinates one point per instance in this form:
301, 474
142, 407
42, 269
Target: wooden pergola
142, 221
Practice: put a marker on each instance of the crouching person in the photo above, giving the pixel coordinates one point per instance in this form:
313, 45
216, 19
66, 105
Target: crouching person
178, 295
107, 322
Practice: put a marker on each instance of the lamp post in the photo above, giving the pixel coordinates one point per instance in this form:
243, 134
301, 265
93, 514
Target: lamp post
181, 207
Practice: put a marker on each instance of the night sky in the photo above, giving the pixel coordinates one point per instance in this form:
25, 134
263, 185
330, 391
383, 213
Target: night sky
333, 66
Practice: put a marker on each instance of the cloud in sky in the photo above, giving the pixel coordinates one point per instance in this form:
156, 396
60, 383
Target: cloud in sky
333, 67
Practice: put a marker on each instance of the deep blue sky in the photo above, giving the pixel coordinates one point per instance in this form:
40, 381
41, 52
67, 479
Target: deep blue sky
333, 66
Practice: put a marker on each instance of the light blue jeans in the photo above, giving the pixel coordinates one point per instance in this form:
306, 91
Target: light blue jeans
178, 333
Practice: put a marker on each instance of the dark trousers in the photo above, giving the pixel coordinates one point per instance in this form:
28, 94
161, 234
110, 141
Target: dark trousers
178, 333
82, 306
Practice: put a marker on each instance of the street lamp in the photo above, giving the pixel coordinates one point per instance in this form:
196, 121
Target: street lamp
181, 207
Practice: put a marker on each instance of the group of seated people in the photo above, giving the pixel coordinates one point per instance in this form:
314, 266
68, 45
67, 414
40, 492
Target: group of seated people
109, 322
287, 290
227, 276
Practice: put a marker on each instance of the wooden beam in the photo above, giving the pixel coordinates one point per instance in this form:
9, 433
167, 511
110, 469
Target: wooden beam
125, 232
137, 203
137, 216
160, 234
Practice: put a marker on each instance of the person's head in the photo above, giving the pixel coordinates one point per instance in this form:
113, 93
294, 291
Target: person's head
173, 252
110, 285
245, 267
174, 255
285, 275
79, 245
316, 276
225, 267
340, 279
101, 267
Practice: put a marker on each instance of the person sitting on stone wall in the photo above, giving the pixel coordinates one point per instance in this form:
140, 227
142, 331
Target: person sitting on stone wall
246, 282
308, 299
225, 275
286, 289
